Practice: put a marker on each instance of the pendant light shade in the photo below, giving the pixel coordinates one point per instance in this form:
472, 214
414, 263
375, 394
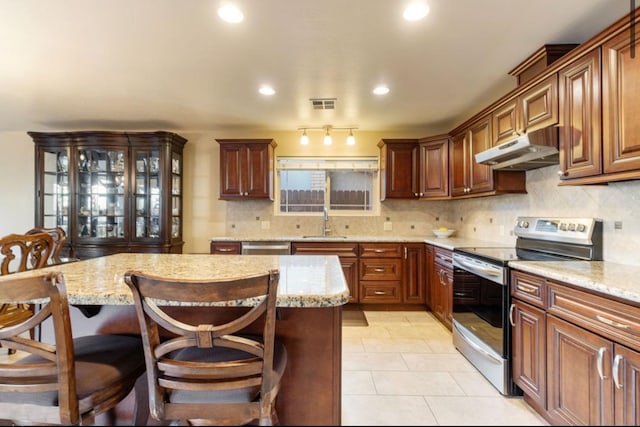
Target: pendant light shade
351, 140
327, 137
304, 139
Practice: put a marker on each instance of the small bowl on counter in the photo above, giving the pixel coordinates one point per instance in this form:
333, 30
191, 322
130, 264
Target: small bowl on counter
443, 233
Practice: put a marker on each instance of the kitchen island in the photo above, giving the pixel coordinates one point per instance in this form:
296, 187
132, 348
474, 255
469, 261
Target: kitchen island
311, 293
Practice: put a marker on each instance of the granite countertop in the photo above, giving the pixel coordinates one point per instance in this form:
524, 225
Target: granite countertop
609, 278
448, 243
305, 280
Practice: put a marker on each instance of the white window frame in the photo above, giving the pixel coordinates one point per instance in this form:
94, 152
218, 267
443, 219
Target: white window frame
331, 163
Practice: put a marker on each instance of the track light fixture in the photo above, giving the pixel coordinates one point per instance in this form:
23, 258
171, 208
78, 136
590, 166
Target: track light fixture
327, 139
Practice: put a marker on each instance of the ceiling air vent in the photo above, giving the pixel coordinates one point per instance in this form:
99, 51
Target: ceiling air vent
323, 103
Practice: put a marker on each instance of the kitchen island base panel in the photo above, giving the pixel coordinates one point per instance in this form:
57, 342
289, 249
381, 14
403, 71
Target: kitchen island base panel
311, 391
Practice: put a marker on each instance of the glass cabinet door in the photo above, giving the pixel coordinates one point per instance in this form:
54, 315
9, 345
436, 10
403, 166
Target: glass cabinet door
55, 189
176, 195
148, 203
101, 193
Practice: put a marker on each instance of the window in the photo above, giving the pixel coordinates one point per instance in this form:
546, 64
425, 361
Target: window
344, 186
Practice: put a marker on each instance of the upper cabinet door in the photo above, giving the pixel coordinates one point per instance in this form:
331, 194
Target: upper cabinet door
246, 168
480, 176
505, 122
580, 118
539, 105
399, 164
533, 109
458, 164
620, 105
434, 167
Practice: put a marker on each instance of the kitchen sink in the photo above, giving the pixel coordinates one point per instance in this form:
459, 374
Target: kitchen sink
324, 237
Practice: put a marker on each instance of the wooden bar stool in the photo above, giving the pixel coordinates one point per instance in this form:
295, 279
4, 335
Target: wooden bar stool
210, 373
70, 381
20, 252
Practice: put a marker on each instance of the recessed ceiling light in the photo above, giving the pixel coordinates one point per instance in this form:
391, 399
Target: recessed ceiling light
266, 90
230, 13
415, 11
381, 90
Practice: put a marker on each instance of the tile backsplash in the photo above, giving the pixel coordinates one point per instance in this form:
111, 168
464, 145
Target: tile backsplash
485, 218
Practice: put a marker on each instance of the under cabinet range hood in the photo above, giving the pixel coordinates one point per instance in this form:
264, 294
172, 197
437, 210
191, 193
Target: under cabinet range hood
535, 149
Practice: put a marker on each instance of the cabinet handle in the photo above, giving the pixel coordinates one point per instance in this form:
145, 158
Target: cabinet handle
225, 250
511, 315
616, 371
611, 322
526, 289
405, 253
379, 251
379, 292
601, 353
379, 270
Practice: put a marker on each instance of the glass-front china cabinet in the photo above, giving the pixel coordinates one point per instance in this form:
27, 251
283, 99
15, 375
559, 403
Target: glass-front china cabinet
111, 191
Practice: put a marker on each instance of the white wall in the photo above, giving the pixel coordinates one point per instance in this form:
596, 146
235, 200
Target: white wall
487, 218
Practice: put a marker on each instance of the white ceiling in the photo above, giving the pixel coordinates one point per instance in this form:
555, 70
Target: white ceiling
173, 65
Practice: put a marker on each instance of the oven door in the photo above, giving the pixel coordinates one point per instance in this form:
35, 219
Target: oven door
481, 331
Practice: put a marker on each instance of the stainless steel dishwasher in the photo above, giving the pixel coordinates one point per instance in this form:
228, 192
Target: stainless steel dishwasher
264, 247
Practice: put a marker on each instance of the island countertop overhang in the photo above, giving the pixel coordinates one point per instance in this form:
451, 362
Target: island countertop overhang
305, 280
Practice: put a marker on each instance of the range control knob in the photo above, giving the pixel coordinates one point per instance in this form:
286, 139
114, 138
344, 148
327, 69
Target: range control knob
563, 226
581, 228
572, 227
524, 224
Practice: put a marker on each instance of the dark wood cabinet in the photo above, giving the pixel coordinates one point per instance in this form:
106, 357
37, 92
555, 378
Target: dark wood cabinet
433, 170
580, 118
414, 169
380, 268
111, 191
470, 179
467, 176
534, 108
529, 346
398, 169
577, 395
591, 364
441, 285
598, 109
246, 168
222, 247
346, 252
620, 106
414, 283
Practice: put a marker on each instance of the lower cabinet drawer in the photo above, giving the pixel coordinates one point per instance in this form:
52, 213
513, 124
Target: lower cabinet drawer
380, 291
380, 269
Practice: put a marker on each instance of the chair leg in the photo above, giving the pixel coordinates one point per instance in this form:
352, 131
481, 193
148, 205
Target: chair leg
141, 406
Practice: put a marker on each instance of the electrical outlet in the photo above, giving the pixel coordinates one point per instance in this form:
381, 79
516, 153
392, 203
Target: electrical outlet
388, 226
266, 225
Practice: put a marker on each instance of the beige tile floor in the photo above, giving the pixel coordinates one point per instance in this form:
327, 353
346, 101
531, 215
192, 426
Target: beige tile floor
403, 369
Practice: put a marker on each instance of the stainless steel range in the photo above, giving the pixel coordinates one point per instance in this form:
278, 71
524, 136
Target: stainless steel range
481, 291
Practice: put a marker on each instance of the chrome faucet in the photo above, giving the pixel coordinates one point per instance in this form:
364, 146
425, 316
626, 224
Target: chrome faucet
325, 218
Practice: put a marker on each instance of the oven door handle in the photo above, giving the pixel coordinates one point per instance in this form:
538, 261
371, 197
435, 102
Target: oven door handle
474, 268
476, 347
